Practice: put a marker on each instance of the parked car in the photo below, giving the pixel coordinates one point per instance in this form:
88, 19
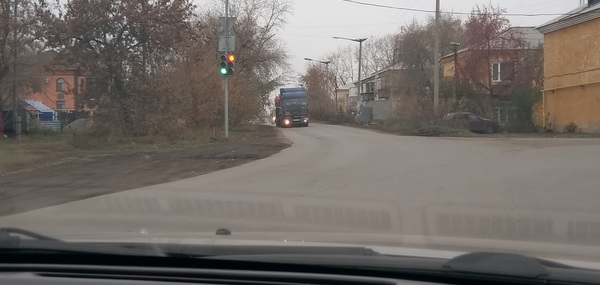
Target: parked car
473, 122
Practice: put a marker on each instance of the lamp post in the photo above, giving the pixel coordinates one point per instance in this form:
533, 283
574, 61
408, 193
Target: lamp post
360, 41
455, 49
327, 68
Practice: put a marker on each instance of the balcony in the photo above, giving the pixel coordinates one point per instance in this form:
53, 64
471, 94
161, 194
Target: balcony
367, 96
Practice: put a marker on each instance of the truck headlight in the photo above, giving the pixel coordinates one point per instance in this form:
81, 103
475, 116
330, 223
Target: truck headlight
286, 122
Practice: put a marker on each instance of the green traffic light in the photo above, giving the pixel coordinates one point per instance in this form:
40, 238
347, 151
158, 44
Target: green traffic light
223, 71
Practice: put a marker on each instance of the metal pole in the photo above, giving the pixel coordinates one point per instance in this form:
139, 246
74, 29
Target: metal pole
226, 107
334, 91
455, 49
360, 69
16, 119
436, 72
226, 77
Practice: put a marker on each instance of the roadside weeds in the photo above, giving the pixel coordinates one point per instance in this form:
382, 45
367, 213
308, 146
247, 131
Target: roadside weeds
439, 130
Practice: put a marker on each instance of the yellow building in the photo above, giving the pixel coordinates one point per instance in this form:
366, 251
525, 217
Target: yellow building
572, 70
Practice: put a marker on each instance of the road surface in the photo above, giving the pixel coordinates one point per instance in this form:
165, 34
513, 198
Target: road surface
347, 184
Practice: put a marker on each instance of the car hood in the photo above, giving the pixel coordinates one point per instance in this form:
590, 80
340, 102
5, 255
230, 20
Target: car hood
418, 246
143, 215
258, 240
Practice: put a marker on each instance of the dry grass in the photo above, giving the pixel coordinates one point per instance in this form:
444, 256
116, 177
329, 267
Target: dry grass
52, 147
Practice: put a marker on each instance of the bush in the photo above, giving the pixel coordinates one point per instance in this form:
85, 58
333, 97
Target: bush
524, 100
571, 128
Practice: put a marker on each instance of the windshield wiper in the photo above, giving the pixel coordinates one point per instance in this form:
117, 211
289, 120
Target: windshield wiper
12, 242
7, 239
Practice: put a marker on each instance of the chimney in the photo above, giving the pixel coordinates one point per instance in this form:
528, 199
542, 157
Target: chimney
593, 2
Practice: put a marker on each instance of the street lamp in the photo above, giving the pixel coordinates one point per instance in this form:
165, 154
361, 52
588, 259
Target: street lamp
327, 68
360, 41
323, 62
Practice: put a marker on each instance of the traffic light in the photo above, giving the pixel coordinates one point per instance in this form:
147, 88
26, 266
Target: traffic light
223, 67
230, 64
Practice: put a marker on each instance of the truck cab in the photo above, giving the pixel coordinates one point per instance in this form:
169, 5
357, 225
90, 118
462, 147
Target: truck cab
291, 108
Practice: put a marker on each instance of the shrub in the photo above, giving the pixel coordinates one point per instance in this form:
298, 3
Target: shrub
571, 128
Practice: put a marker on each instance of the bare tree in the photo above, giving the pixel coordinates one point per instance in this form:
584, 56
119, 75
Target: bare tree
489, 39
317, 80
122, 44
415, 46
260, 65
343, 65
378, 53
24, 24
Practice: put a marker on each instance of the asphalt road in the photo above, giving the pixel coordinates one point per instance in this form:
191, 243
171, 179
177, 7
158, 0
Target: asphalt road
347, 184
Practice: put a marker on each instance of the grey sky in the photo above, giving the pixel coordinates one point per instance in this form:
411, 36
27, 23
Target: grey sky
314, 22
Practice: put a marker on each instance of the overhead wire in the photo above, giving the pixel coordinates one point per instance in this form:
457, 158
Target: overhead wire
396, 18
453, 13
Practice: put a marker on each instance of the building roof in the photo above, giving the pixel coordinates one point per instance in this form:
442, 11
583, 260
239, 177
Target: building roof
394, 67
532, 37
37, 105
577, 16
347, 87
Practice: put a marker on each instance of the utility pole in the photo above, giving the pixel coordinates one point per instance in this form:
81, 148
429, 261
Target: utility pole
360, 67
360, 41
226, 77
455, 49
16, 118
436, 72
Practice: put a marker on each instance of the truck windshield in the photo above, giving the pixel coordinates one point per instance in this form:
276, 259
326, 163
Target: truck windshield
296, 103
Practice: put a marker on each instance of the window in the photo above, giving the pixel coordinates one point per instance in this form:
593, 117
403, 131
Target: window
60, 84
502, 71
369, 87
60, 105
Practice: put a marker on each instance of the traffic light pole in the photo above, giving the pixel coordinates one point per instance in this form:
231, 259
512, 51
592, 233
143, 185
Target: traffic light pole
226, 107
226, 77
436, 56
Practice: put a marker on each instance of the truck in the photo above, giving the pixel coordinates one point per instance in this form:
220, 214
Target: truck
291, 108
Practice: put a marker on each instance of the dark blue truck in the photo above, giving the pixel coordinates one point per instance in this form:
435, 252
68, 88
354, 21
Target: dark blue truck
291, 108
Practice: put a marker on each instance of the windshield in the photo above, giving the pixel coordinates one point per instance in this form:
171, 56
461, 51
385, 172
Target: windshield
295, 104
169, 119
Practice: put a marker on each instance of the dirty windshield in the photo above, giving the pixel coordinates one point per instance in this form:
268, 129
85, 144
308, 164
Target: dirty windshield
296, 104
304, 121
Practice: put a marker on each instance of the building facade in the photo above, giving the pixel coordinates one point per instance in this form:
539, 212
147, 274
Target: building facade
572, 70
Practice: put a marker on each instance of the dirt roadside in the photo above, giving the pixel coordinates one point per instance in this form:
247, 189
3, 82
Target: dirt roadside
89, 174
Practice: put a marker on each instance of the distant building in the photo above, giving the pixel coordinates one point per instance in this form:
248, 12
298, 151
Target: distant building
572, 70
59, 86
375, 103
343, 97
381, 84
511, 65
503, 60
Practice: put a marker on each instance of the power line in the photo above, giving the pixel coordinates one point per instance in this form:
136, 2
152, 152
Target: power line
453, 13
337, 26
307, 36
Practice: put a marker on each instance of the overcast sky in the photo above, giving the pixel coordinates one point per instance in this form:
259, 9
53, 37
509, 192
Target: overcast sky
314, 22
